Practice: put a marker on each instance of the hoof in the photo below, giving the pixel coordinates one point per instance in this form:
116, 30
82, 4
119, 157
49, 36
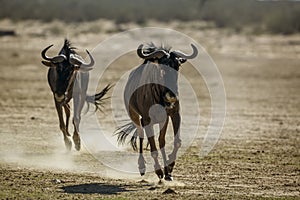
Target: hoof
168, 177
160, 182
170, 167
76, 140
68, 134
142, 171
78, 146
159, 173
142, 166
68, 143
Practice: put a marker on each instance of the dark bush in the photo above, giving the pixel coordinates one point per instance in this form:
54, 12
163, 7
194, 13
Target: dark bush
269, 16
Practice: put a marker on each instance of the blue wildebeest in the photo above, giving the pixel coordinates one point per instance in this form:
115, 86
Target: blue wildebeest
151, 97
68, 78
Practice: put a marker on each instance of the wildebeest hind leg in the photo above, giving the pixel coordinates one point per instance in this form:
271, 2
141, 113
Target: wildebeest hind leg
140, 133
162, 142
154, 152
177, 141
141, 161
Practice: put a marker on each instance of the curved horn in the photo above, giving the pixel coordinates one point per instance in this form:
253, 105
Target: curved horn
155, 54
183, 55
77, 60
44, 53
91, 58
54, 59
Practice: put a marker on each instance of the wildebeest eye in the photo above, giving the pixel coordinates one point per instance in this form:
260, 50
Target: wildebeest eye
181, 60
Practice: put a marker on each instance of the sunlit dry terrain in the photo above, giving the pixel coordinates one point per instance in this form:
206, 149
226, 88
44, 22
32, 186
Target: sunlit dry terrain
257, 155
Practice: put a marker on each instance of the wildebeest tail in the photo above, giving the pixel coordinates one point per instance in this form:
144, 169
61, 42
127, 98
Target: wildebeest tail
98, 99
123, 131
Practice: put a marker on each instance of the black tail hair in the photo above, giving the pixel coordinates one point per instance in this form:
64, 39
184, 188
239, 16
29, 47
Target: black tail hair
123, 131
97, 100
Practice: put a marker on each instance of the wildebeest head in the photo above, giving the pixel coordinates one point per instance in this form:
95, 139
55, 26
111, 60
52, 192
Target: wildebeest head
62, 68
165, 56
169, 62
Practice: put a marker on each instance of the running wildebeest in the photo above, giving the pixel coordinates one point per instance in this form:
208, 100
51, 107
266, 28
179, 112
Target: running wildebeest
151, 97
68, 78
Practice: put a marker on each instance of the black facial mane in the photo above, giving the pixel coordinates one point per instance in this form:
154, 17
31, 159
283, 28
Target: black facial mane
67, 49
151, 47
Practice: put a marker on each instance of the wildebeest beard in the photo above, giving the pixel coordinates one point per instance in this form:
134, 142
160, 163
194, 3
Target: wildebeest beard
64, 75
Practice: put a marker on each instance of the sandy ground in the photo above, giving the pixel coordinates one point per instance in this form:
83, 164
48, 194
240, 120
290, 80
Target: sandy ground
256, 157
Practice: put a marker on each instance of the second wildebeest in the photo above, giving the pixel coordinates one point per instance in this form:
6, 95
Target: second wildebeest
68, 77
151, 97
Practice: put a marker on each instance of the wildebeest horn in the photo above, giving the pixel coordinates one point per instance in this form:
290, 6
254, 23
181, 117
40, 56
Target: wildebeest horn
91, 58
155, 54
54, 59
75, 60
183, 55
44, 53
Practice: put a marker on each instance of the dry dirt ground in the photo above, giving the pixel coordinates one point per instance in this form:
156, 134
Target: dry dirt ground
257, 155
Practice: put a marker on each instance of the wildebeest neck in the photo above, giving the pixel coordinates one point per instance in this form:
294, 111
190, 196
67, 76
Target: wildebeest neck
148, 85
63, 81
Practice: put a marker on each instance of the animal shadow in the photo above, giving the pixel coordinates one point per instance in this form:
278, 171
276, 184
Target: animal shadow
94, 188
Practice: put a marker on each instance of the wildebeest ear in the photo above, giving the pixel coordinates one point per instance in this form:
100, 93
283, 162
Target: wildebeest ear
47, 63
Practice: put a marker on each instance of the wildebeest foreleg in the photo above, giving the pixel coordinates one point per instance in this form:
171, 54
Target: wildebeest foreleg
78, 105
62, 125
177, 141
79, 97
154, 152
67, 111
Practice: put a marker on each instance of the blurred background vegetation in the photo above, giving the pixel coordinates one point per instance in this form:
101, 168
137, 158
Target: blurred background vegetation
279, 17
